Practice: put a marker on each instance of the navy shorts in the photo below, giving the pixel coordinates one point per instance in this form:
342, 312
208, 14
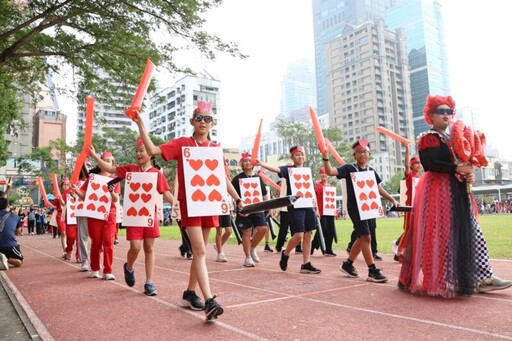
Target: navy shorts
301, 219
252, 220
362, 227
12, 252
225, 220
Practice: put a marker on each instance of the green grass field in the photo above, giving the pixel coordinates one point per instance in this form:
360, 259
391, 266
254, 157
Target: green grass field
497, 230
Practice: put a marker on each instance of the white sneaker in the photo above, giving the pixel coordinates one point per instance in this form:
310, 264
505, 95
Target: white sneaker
109, 277
4, 265
221, 258
85, 266
94, 274
249, 263
394, 247
254, 256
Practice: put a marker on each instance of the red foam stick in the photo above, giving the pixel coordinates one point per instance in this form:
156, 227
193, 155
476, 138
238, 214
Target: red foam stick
256, 146
141, 90
393, 135
269, 181
89, 117
80, 160
55, 182
43, 191
318, 130
334, 152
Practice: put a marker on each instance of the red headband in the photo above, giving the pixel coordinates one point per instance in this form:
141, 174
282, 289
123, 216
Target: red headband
322, 170
415, 160
140, 142
107, 154
244, 155
297, 150
362, 145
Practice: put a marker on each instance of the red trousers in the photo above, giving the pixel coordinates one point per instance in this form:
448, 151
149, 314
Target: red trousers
70, 237
102, 234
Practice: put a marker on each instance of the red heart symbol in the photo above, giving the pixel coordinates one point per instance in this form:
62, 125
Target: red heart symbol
363, 196
309, 195
254, 184
307, 184
80, 206
372, 195
198, 196
133, 197
212, 181
91, 207
299, 194
197, 181
247, 194
196, 164
256, 200
306, 177
247, 201
132, 212
370, 183
134, 186
102, 209
105, 188
104, 199
211, 164
296, 176
144, 212
374, 205
247, 185
95, 186
71, 199
256, 193
360, 184
72, 207
146, 197
215, 196
365, 207
93, 197
298, 185
147, 186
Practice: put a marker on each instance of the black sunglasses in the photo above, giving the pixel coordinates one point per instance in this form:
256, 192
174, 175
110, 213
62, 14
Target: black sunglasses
205, 118
442, 111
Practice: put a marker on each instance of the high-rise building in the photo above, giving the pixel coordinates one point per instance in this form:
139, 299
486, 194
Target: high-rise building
298, 87
329, 20
368, 87
423, 23
172, 107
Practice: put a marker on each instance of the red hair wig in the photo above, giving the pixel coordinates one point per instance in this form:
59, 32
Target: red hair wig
434, 101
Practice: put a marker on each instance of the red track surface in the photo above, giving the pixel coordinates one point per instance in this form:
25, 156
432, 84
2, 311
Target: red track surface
260, 303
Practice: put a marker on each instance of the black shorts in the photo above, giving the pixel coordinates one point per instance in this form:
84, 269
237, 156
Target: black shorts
252, 220
301, 219
362, 227
12, 252
225, 220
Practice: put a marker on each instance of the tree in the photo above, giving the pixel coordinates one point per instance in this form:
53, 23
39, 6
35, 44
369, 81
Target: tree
116, 36
393, 185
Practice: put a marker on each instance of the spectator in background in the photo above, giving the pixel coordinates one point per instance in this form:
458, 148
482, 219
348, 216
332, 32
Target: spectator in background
10, 252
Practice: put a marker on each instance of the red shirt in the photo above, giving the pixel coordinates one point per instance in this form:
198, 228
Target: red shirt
319, 191
161, 181
172, 151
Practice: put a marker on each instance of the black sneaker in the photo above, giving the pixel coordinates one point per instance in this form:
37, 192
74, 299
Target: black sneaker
191, 300
298, 250
376, 256
308, 268
129, 276
182, 251
375, 276
212, 309
149, 289
330, 254
283, 263
268, 248
279, 248
349, 269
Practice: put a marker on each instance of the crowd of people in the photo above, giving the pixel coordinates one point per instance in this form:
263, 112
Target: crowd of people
442, 254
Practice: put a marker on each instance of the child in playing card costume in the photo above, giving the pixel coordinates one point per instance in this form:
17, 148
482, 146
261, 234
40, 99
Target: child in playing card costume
327, 221
58, 204
139, 236
302, 219
361, 153
66, 194
102, 232
445, 252
198, 227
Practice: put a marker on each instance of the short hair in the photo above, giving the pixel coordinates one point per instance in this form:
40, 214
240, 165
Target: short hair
4, 202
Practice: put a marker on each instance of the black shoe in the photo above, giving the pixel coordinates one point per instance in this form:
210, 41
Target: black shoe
116, 242
298, 250
189, 255
149, 289
375, 276
396, 258
182, 251
268, 248
330, 254
279, 248
191, 300
212, 309
376, 256
349, 269
308, 268
129, 276
283, 263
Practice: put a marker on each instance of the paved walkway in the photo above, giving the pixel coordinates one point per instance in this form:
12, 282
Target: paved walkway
49, 299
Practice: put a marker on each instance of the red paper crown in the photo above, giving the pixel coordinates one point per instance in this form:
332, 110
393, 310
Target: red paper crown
203, 107
415, 159
245, 155
140, 142
297, 150
322, 170
362, 144
107, 154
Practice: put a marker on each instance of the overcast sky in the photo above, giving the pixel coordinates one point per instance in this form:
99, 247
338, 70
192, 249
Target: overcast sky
275, 33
